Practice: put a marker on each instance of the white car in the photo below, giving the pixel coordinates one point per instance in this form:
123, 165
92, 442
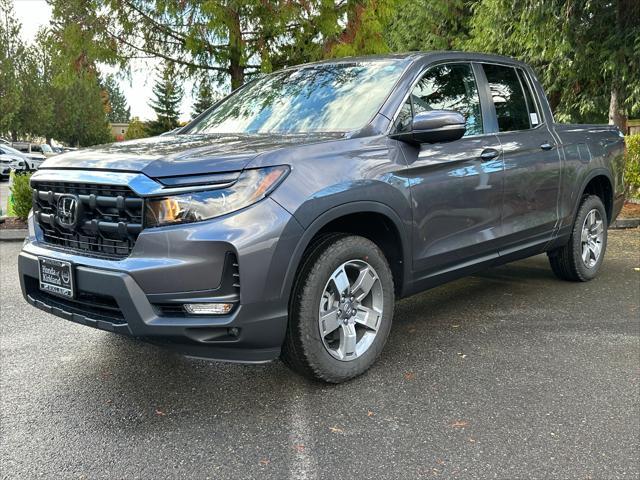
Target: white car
12, 159
7, 164
29, 152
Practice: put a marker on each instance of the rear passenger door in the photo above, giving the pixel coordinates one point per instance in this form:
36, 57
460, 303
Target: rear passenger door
531, 159
456, 187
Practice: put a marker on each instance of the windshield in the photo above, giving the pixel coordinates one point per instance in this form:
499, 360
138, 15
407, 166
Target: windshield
334, 97
46, 148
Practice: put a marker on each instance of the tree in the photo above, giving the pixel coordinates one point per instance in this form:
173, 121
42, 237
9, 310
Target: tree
586, 51
118, 110
363, 34
33, 70
80, 116
166, 102
136, 129
430, 24
205, 98
11, 50
226, 39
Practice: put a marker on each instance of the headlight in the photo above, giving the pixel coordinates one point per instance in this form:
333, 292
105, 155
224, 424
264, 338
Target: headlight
252, 186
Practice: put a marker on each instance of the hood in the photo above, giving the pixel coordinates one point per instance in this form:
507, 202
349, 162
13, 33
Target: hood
175, 155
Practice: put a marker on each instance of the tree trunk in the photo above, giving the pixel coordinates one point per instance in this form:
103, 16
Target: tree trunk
617, 115
554, 100
236, 69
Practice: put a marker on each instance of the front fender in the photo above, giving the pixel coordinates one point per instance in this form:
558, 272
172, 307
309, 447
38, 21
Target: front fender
341, 210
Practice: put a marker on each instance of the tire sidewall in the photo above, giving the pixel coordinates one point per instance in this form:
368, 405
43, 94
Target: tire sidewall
331, 257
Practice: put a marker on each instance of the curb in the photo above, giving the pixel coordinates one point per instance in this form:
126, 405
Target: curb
12, 235
626, 223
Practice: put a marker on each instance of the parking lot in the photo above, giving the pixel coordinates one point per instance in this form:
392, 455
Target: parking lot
509, 374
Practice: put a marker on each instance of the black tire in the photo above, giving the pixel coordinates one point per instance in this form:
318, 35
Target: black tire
303, 349
566, 262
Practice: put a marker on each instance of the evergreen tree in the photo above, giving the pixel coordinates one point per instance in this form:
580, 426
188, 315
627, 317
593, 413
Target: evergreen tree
204, 99
35, 114
80, 116
587, 52
168, 95
229, 40
430, 24
11, 50
117, 108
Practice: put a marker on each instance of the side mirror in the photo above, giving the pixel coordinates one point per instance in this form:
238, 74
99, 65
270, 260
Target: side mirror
434, 126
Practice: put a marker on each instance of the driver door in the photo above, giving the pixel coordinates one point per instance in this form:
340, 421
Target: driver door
456, 187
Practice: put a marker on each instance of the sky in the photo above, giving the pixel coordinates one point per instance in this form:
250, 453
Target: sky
33, 14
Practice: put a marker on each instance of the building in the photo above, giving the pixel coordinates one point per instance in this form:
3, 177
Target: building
119, 130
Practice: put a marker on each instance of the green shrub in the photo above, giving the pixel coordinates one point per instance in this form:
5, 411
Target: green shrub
136, 129
632, 166
22, 195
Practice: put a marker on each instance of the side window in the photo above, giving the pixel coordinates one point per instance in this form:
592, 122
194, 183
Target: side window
444, 87
508, 98
403, 122
532, 107
450, 87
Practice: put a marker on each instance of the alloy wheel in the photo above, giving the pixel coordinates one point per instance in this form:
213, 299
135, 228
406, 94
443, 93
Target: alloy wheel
591, 238
350, 310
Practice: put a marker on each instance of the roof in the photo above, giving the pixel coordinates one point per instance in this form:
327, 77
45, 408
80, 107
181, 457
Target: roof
453, 54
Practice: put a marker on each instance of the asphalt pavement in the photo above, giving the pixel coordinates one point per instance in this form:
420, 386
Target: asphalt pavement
510, 374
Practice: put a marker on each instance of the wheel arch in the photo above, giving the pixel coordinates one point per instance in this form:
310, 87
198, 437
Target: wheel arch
597, 182
340, 213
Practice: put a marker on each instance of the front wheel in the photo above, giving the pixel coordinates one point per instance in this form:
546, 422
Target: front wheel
341, 309
581, 258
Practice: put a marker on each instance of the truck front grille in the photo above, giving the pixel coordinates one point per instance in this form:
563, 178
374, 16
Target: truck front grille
108, 220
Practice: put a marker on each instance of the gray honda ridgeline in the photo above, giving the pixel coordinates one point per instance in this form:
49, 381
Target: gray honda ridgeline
287, 219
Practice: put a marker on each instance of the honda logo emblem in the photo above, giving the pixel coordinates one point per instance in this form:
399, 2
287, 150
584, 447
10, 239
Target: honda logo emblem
68, 211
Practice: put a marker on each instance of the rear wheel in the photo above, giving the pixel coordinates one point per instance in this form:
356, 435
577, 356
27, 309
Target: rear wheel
581, 258
341, 310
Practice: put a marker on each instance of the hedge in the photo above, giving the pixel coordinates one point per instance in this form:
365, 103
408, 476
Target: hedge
632, 167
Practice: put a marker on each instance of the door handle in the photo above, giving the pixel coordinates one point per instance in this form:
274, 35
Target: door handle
546, 146
489, 154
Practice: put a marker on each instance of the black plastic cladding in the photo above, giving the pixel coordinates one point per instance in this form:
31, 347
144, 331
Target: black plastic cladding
110, 222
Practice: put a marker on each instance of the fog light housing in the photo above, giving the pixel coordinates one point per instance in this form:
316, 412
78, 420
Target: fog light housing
208, 308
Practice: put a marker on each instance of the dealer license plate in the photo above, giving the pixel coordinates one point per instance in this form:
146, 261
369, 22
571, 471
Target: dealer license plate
56, 276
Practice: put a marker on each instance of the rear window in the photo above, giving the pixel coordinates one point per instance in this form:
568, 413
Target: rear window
532, 106
508, 98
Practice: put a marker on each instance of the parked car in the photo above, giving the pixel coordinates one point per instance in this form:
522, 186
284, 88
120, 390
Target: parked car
11, 159
32, 152
288, 219
4, 141
45, 149
6, 166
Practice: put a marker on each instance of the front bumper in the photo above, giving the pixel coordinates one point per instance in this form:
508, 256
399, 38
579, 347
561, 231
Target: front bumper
184, 264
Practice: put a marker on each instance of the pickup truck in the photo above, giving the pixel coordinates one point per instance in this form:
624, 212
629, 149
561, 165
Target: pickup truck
287, 219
